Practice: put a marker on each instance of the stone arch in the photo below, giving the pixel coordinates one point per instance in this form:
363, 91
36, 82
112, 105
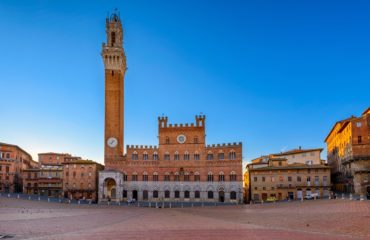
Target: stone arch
221, 188
196, 188
134, 187
144, 187
210, 188
110, 188
233, 188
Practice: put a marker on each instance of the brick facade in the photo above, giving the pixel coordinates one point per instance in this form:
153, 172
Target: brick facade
80, 179
62, 175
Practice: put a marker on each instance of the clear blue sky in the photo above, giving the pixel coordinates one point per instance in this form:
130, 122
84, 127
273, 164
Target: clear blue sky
273, 74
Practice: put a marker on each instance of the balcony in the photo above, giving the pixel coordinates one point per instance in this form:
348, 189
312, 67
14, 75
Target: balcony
50, 186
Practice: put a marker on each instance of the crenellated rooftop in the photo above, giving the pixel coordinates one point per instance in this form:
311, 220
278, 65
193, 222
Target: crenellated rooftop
199, 122
141, 147
239, 144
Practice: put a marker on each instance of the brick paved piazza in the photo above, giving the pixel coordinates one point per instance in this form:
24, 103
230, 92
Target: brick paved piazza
321, 219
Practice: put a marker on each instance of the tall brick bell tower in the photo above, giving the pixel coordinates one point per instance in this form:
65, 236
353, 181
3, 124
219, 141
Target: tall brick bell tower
115, 67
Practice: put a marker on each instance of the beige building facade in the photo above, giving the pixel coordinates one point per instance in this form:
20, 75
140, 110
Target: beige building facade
274, 176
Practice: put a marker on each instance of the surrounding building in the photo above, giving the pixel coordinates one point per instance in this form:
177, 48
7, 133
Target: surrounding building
246, 185
181, 168
45, 180
52, 159
13, 161
348, 146
80, 179
62, 175
289, 175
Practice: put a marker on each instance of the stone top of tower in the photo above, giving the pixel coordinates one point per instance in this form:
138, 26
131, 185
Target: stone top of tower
114, 17
112, 51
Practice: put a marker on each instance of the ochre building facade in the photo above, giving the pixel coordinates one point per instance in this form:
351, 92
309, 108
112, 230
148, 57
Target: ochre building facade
348, 146
182, 167
13, 161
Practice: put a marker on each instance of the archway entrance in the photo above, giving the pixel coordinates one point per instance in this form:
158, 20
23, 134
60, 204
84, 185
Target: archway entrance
110, 188
134, 194
221, 196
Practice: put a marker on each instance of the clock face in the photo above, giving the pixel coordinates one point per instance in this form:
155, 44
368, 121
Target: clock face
112, 142
181, 138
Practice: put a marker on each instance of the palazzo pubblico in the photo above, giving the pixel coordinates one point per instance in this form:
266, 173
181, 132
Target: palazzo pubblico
181, 168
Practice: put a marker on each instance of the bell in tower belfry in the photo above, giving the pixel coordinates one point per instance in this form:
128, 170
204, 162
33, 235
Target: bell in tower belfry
115, 67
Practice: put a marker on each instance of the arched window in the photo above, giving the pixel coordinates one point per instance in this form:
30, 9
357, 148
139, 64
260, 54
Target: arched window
7, 155
124, 193
167, 140
135, 156
210, 177
209, 155
124, 175
196, 156
186, 155
166, 194
233, 195
167, 177
186, 177
186, 194
155, 156
177, 194
155, 194
221, 156
232, 176
196, 177
167, 156
196, 139
134, 176
145, 176
145, 156
221, 177
210, 195
197, 194
177, 177
232, 155
155, 177
176, 156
